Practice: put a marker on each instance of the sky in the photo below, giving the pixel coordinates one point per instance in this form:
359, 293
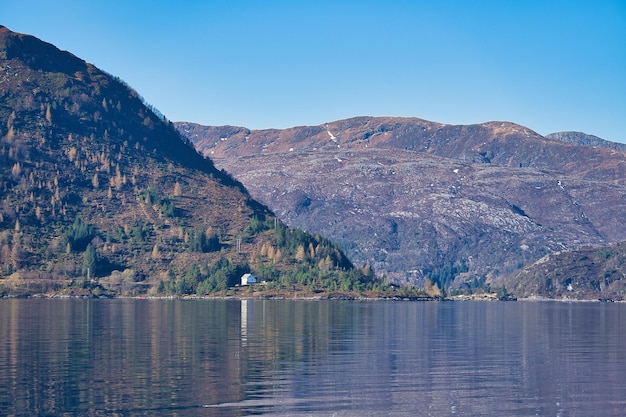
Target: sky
548, 65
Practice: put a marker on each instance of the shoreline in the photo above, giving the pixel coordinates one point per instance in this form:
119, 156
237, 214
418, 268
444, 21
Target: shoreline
321, 297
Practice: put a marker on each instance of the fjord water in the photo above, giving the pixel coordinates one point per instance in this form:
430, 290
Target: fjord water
328, 358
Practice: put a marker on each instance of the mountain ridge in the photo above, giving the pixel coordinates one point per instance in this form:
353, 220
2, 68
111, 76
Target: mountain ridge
580, 138
468, 205
99, 194
476, 143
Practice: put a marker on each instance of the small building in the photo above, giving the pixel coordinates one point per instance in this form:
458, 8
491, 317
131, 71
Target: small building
247, 279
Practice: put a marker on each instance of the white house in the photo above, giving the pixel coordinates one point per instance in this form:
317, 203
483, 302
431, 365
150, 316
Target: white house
247, 279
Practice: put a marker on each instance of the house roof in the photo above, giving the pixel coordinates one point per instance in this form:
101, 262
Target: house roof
248, 278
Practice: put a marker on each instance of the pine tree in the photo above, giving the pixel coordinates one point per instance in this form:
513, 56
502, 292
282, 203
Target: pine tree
90, 260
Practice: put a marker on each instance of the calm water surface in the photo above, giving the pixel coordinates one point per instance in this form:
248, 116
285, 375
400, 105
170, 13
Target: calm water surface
299, 358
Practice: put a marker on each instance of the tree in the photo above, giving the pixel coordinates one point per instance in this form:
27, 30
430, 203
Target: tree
16, 170
79, 235
212, 243
197, 241
90, 260
16, 252
139, 233
155, 251
72, 154
432, 289
300, 254
177, 189
325, 264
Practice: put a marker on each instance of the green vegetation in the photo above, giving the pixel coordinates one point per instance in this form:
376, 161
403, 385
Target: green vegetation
78, 235
206, 279
200, 242
165, 206
287, 259
100, 195
90, 260
441, 278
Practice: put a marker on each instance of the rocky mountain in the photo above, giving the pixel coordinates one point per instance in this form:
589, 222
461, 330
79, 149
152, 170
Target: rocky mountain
463, 206
99, 192
582, 274
579, 138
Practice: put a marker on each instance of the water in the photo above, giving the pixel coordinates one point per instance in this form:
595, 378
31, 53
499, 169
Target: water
320, 358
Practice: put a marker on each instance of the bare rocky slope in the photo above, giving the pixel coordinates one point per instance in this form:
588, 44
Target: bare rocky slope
582, 274
464, 206
579, 138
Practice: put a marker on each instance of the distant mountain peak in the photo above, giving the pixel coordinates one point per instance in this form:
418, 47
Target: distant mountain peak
583, 139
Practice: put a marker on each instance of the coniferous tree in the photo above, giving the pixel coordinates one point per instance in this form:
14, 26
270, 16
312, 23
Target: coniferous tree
90, 260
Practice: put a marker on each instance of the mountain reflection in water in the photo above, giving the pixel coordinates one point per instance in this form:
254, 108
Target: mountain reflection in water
343, 358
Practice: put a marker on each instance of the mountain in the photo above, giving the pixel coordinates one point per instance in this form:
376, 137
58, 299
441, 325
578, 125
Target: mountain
579, 138
99, 193
582, 274
462, 206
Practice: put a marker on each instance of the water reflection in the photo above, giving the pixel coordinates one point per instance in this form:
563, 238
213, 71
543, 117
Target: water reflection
219, 357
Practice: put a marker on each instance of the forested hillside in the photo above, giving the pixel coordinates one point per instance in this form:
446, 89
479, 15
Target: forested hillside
99, 194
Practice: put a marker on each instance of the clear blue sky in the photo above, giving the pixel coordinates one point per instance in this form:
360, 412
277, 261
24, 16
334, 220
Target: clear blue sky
548, 65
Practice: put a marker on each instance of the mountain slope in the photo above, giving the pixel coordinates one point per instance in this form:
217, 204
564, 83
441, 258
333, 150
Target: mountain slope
95, 184
497, 143
460, 205
583, 274
579, 138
